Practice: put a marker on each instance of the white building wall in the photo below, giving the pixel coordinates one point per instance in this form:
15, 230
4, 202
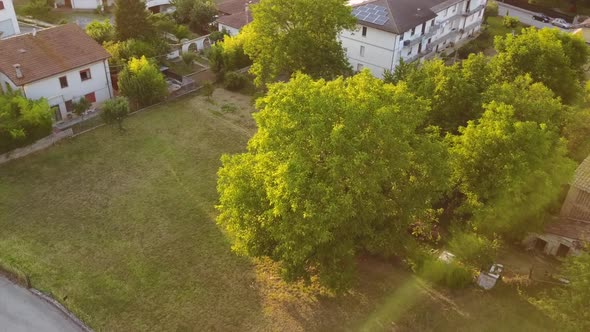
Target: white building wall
8, 22
50, 88
86, 4
230, 30
384, 50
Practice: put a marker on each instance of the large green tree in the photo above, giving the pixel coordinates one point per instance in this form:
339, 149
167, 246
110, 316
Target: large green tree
509, 169
287, 36
454, 91
22, 121
198, 14
335, 168
551, 57
142, 82
132, 20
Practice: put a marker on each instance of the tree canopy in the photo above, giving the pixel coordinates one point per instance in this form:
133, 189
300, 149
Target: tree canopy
142, 82
198, 14
335, 167
509, 169
551, 57
101, 31
287, 36
132, 20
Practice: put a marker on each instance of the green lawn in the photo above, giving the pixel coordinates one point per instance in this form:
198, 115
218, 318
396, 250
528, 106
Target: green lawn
120, 228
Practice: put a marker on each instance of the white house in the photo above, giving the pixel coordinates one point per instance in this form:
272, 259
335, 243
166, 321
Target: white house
389, 31
8, 22
234, 15
84, 4
61, 64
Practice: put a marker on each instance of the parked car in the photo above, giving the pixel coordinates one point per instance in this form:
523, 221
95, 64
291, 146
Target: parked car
560, 22
542, 18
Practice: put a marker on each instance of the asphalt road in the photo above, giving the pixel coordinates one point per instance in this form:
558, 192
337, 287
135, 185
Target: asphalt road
21, 311
523, 15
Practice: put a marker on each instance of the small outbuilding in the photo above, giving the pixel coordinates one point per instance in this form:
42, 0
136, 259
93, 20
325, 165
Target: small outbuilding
568, 233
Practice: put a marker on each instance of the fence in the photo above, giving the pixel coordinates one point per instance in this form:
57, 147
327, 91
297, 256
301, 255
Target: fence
39, 145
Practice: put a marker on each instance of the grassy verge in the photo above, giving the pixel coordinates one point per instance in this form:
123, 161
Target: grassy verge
120, 228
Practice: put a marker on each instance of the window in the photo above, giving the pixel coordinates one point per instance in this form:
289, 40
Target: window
413, 31
454, 8
364, 31
410, 52
1, 5
432, 23
362, 51
91, 97
63, 81
401, 38
359, 67
85, 75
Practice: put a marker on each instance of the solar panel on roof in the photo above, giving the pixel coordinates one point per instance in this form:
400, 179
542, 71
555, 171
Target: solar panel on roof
371, 13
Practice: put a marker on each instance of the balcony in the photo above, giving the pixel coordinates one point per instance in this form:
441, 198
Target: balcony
469, 12
433, 30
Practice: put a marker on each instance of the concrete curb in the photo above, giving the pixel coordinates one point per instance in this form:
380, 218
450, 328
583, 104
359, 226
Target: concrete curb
61, 308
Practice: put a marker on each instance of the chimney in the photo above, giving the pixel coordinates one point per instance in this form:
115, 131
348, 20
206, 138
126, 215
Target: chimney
19, 73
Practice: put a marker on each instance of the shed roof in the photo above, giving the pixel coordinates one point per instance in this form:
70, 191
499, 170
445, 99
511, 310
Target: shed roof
572, 229
49, 52
582, 177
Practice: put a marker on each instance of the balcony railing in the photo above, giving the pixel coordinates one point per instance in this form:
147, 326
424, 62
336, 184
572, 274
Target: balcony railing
433, 30
469, 12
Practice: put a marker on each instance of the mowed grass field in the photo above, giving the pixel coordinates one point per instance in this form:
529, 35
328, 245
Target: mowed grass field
121, 229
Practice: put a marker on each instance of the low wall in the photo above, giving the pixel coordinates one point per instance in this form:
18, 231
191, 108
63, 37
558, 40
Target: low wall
39, 145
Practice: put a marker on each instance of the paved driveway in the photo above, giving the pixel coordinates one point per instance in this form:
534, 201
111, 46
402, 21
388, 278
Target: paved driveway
523, 15
21, 311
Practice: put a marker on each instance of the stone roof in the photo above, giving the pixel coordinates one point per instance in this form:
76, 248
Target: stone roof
582, 177
47, 53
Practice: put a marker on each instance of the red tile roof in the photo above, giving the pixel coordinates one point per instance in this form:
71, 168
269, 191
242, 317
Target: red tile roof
235, 20
50, 52
233, 6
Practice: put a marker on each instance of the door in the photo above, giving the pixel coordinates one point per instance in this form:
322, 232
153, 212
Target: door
540, 245
562, 251
68, 3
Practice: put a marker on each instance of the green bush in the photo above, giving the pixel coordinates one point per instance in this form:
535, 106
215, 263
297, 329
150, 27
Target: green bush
115, 110
510, 22
474, 248
234, 81
452, 275
491, 9
37, 9
22, 121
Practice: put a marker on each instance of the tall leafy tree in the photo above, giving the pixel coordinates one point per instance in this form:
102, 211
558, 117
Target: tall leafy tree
287, 36
132, 20
335, 168
101, 31
551, 57
198, 14
454, 99
142, 82
509, 170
